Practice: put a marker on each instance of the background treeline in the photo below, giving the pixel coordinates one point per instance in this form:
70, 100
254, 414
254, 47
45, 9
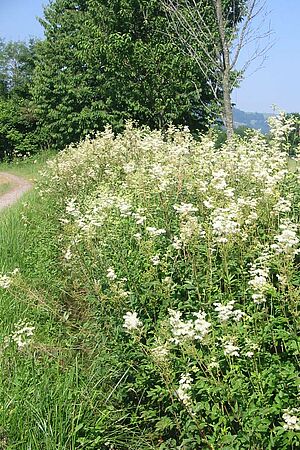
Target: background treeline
100, 63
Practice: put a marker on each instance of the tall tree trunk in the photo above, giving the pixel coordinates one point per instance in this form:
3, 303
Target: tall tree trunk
227, 106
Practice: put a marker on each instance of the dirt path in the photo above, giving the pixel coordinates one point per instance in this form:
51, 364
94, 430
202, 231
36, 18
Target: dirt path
19, 187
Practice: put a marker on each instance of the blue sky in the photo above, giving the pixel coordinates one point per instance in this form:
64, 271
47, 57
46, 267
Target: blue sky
277, 82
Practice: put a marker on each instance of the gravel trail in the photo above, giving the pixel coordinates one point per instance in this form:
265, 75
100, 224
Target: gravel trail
19, 187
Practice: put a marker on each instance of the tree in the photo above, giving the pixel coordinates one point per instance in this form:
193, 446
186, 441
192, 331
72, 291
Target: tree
105, 62
17, 119
213, 33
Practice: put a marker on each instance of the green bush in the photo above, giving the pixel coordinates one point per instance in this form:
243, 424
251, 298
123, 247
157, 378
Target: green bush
189, 258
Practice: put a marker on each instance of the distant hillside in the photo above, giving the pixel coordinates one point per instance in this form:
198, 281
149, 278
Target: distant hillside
258, 121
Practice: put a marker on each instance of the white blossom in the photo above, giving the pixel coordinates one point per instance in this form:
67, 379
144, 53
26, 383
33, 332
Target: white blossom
292, 421
185, 385
22, 334
131, 321
5, 281
185, 208
230, 349
201, 326
226, 312
177, 243
111, 274
160, 353
156, 232
287, 240
188, 329
68, 254
155, 260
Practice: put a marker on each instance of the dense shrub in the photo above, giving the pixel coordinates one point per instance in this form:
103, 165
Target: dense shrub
188, 256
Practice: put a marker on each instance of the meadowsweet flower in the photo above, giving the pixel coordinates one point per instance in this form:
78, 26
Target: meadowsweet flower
201, 326
155, 232
188, 329
185, 208
71, 207
155, 260
225, 223
292, 421
129, 167
224, 311
5, 281
68, 254
282, 206
258, 298
287, 240
138, 218
213, 364
218, 181
189, 228
22, 334
208, 204
131, 321
185, 386
177, 243
124, 208
160, 353
230, 349
181, 330
111, 274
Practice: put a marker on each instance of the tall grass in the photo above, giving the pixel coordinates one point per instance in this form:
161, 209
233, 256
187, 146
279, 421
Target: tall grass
54, 387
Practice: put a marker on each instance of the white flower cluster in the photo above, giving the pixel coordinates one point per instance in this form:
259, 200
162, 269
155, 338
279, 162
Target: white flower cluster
131, 321
226, 312
177, 243
281, 126
225, 223
287, 240
111, 274
155, 231
160, 353
6, 279
292, 421
22, 334
259, 282
283, 205
188, 329
230, 349
189, 228
185, 386
185, 208
155, 260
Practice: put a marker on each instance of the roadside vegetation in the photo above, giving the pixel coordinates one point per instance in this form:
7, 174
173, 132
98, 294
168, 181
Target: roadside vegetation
150, 297
149, 281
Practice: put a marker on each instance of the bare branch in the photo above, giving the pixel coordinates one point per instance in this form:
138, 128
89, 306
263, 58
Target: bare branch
214, 36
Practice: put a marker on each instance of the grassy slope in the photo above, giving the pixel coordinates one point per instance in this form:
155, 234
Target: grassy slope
47, 394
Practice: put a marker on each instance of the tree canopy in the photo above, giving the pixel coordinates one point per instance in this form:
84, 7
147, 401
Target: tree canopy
105, 62
17, 117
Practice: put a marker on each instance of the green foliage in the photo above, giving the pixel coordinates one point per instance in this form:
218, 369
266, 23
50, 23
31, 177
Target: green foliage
145, 222
17, 117
17, 128
104, 62
294, 134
